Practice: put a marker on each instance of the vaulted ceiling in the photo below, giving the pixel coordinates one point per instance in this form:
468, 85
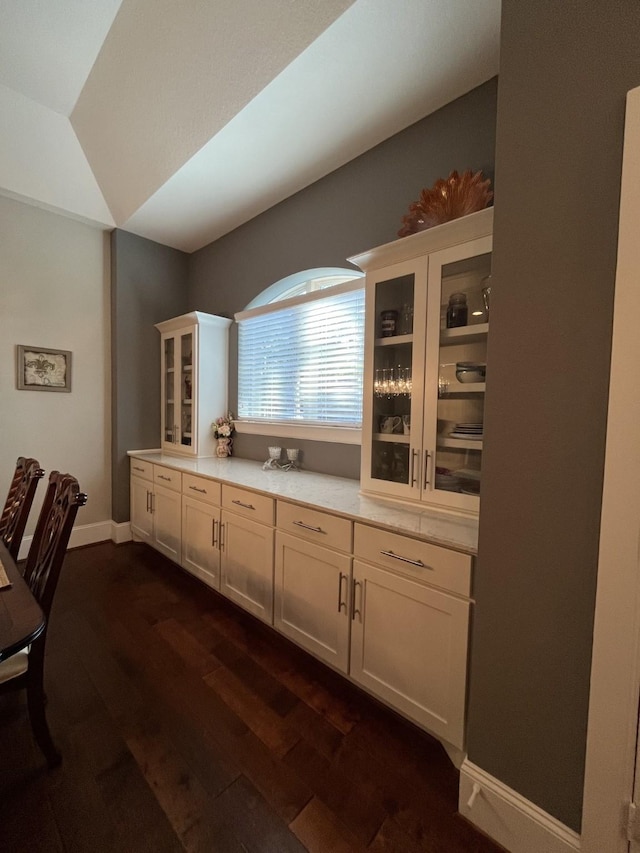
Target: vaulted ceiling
179, 121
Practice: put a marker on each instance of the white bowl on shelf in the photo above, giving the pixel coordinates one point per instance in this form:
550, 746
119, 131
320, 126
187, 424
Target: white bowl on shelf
470, 371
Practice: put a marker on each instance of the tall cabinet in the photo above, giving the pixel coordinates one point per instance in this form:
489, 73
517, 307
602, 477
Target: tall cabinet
193, 377
424, 378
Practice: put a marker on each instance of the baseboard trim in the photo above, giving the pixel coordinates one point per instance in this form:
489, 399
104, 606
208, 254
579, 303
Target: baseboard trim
508, 818
121, 532
88, 534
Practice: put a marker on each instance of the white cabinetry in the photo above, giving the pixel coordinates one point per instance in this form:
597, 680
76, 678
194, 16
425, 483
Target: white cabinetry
141, 490
422, 427
155, 507
246, 545
387, 610
410, 626
194, 367
313, 581
201, 528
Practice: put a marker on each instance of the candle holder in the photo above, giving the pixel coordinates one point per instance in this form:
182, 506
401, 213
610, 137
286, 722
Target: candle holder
274, 458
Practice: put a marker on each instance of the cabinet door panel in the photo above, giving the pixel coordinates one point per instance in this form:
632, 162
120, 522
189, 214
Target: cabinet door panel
200, 538
409, 647
247, 565
141, 518
311, 598
167, 522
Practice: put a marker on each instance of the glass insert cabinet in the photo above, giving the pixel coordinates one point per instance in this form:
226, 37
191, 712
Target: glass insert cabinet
193, 381
427, 309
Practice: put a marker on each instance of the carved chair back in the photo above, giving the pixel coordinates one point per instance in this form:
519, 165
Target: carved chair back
18, 504
62, 500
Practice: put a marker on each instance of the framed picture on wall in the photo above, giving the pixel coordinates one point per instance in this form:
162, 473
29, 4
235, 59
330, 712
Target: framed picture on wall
43, 369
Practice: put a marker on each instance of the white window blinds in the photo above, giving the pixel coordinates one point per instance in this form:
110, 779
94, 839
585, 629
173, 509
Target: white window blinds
301, 361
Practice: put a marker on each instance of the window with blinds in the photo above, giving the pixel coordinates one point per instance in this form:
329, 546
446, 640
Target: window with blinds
301, 360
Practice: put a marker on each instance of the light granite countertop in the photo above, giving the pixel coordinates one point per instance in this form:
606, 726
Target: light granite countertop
334, 494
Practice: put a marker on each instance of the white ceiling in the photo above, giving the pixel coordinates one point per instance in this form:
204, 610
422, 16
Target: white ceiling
181, 121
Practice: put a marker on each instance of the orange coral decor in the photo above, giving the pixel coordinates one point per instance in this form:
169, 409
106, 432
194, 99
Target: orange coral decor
448, 199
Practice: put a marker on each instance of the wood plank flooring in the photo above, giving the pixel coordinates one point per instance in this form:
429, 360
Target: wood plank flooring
185, 724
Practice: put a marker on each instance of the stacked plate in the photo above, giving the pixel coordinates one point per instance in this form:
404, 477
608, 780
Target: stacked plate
469, 431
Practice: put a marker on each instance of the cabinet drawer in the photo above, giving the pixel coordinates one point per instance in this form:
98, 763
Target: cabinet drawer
202, 489
141, 469
167, 477
315, 526
249, 504
412, 557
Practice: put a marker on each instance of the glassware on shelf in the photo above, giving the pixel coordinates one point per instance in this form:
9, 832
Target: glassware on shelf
405, 324
392, 382
486, 295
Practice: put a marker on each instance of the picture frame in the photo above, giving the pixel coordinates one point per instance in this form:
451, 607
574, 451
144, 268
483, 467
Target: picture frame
43, 369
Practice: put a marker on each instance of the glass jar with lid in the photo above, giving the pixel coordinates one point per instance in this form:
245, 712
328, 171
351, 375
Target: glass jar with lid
457, 311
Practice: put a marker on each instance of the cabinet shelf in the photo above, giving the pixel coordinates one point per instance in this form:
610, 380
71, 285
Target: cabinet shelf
394, 340
187, 368
464, 388
464, 334
459, 443
187, 402
392, 437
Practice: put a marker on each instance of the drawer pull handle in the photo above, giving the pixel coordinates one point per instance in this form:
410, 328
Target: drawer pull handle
415, 476
213, 533
221, 545
418, 563
355, 610
246, 506
196, 489
309, 527
341, 603
427, 457
136, 468
162, 477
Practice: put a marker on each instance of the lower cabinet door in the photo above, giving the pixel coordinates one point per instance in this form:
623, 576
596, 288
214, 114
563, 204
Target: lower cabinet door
409, 647
140, 503
312, 598
200, 540
167, 520
246, 564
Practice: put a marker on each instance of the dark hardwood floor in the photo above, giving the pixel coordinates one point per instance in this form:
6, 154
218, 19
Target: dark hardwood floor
186, 725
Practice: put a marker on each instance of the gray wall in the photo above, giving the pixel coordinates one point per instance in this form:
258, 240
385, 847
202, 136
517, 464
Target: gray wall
565, 69
148, 284
354, 208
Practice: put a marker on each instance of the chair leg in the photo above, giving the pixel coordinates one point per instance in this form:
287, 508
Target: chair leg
36, 701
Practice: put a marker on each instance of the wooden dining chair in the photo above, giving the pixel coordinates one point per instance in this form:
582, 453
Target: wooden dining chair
18, 504
25, 669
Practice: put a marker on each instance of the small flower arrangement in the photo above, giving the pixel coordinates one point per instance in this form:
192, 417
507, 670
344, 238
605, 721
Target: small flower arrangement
223, 427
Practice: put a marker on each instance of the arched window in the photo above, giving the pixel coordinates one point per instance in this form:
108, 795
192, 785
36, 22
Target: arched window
301, 353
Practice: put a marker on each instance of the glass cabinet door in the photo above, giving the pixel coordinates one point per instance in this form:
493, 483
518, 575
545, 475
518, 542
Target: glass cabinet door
186, 389
395, 399
168, 379
459, 299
